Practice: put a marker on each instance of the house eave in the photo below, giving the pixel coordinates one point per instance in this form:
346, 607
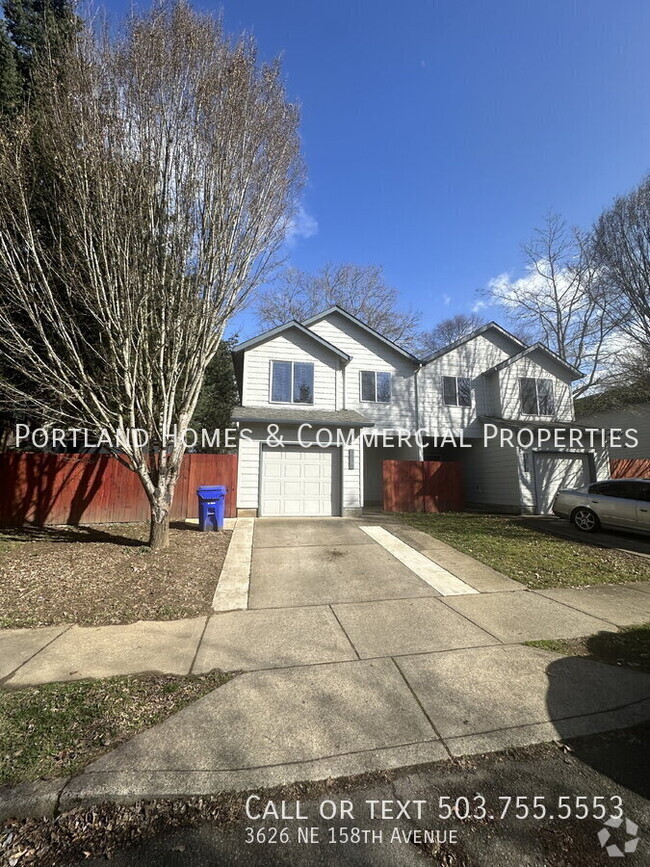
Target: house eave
340, 310
280, 329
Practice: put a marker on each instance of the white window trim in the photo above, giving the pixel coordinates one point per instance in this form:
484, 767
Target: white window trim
537, 380
291, 402
457, 405
374, 373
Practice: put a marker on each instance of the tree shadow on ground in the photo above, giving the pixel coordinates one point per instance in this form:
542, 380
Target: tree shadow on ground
182, 525
69, 534
556, 528
611, 694
629, 647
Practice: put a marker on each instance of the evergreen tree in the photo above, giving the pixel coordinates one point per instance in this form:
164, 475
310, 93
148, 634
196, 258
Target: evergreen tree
218, 395
11, 88
30, 28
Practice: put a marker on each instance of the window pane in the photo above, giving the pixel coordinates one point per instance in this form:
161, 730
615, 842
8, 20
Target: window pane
303, 382
528, 396
281, 386
464, 392
383, 387
545, 395
367, 385
449, 390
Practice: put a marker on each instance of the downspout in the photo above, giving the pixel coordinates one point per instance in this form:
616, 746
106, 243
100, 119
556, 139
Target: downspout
417, 411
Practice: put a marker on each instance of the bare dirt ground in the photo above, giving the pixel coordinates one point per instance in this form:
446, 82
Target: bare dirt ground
105, 573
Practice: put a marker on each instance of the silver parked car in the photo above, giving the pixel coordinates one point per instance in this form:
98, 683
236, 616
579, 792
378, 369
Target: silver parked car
619, 504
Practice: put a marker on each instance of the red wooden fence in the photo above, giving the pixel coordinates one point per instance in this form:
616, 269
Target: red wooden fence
98, 489
423, 486
630, 468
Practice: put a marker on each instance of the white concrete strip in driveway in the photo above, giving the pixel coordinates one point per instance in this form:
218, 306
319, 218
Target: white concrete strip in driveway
435, 576
232, 589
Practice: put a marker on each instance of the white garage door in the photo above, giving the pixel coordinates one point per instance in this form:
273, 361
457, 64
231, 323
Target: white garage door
553, 472
299, 482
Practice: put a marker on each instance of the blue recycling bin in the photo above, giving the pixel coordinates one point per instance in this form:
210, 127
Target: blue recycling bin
212, 507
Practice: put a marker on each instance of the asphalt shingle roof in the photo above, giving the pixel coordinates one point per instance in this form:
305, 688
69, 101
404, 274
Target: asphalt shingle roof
270, 414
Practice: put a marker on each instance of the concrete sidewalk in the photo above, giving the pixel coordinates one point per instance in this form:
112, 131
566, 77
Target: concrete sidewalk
272, 727
316, 634
350, 663
339, 690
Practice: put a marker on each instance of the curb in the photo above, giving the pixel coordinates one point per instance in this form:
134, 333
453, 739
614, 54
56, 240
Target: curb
25, 800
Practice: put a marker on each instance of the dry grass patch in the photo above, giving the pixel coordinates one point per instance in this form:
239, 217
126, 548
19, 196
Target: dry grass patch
630, 647
526, 554
103, 574
56, 729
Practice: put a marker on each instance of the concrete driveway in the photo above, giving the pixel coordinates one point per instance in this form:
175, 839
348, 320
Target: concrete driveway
318, 562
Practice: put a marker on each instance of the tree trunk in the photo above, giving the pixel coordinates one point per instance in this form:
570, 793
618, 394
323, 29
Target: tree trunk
159, 531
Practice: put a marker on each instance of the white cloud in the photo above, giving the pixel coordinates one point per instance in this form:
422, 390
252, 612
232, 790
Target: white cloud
301, 225
478, 306
446, 300
532, 285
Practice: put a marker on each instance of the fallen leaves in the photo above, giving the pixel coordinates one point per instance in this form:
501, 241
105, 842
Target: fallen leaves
105, 574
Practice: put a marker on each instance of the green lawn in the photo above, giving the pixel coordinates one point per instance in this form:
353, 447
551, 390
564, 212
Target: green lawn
533, 557
56, 729
629, 647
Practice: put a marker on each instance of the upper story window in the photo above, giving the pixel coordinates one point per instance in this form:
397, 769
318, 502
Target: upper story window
456, 391
292, 382
537, 396
375, 386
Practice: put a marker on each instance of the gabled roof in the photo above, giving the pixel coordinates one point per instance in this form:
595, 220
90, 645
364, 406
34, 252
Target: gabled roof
273, 332
538, 347
488, 327
336, 309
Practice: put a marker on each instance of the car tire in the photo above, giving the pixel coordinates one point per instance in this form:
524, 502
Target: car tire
585, 520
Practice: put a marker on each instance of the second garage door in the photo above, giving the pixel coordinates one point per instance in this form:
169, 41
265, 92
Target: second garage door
299, 482
556, 471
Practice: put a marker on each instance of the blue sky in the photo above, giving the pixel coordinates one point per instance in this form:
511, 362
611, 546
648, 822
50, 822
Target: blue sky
438, 133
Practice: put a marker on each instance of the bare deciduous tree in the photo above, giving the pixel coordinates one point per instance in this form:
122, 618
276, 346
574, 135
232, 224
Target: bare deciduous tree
621, 247
448, 331
553, 302
360, 289
173, 169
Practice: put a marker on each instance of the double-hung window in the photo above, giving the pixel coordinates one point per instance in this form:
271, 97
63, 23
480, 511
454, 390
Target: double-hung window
456, 391
292, 382
536, 396
375, 386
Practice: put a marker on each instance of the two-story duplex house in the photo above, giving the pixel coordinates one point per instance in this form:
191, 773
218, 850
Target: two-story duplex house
331, 384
